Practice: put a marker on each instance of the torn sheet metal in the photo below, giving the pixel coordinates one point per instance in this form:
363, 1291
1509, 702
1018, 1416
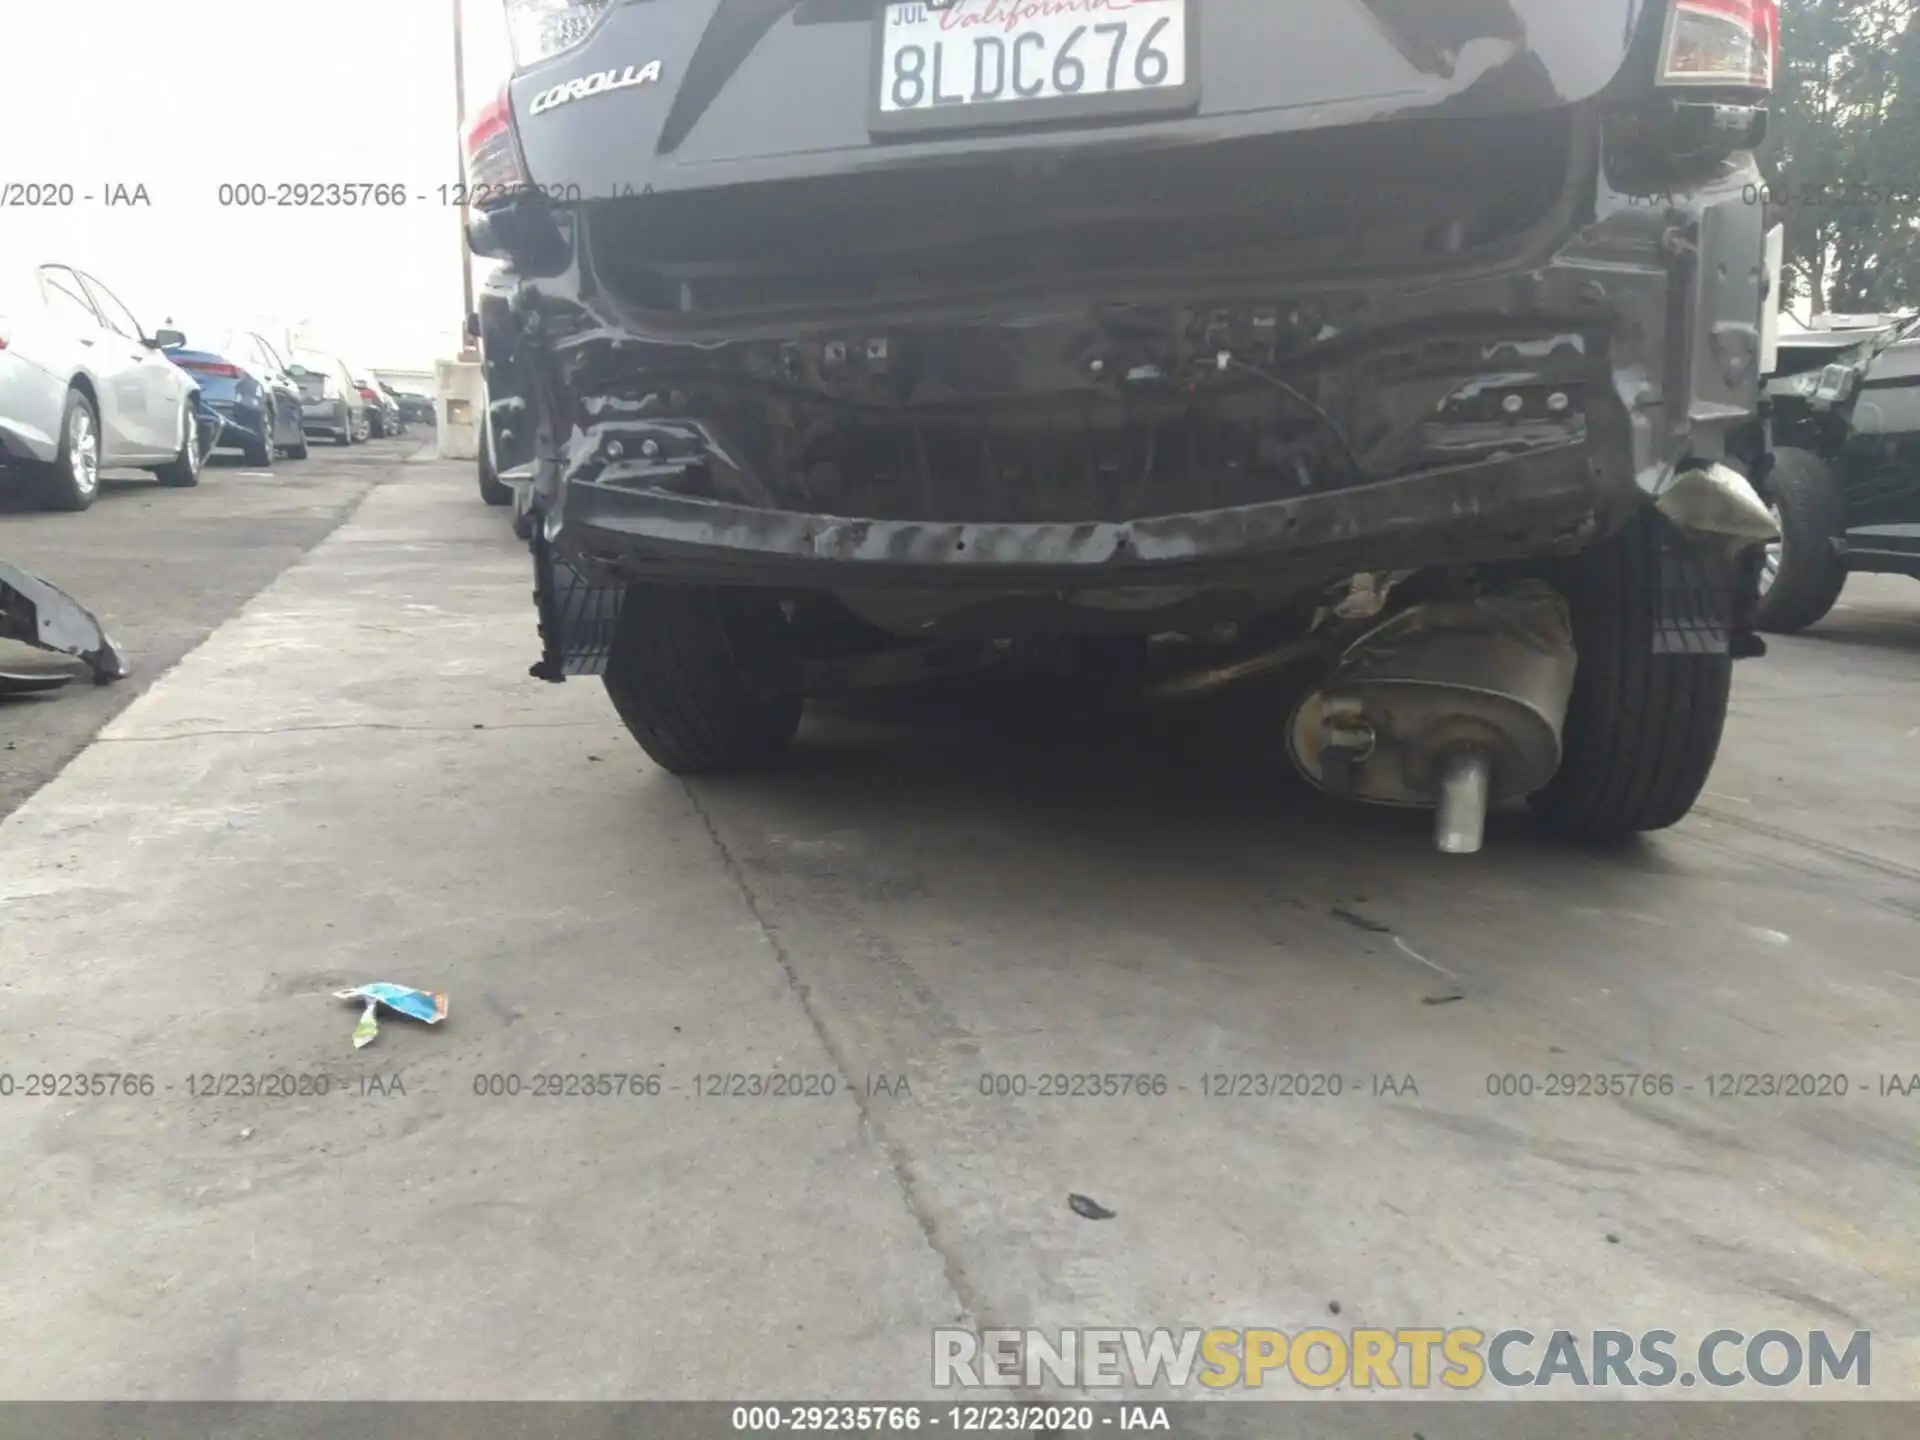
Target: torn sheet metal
1718, 501
46, 617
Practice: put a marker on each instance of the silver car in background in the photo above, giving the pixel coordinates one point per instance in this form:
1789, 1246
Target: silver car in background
330, 400
83, 388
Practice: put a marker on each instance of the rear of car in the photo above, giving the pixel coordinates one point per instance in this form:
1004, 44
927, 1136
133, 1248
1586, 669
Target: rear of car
236, 399
223, 385
329, 402
377, 418
1006, 319
396, 420
397, 417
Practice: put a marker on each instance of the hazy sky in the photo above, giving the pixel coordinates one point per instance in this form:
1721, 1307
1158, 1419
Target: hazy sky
184, 95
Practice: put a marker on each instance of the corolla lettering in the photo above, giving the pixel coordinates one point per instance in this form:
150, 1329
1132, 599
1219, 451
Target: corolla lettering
602, 82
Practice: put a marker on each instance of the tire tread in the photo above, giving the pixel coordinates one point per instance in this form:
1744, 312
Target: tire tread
1813, 513
1645, 721
680, 681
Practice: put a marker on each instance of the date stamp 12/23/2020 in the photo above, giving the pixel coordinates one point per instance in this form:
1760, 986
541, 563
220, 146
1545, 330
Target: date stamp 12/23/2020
1121, 1089
60, 1085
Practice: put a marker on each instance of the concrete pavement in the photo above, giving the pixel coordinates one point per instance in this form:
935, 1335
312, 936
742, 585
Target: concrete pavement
161, 568
354, 780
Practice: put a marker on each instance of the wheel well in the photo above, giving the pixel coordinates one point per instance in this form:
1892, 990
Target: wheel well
85, 387
1797, 427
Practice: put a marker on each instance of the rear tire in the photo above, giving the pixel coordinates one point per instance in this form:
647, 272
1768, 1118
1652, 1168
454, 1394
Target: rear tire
72, 481
260, 454
183, 471
1644, 724
704, 678
1812, 505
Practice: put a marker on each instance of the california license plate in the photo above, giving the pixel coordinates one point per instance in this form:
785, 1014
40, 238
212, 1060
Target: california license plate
976, 62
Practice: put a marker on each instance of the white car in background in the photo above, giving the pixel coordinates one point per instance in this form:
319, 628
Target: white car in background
83, 388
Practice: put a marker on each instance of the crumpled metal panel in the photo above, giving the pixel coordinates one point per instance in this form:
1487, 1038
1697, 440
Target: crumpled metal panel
579, 617
46, 617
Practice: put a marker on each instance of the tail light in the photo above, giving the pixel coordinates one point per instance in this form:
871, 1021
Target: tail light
493, 157
541, 29
366, 393
6, 331
211, 367
1727, 43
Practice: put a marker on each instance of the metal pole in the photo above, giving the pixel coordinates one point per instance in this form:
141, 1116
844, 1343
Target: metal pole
460, 146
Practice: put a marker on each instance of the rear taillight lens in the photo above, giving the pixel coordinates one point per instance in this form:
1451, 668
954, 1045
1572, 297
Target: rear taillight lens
1722, 43
541, 29
366, 394
6, 332
211, 367
493, 158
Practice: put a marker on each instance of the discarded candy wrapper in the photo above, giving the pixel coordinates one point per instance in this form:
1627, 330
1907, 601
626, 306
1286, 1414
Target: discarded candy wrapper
417, 1004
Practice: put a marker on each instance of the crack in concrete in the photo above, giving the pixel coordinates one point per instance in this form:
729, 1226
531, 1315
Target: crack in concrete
929, 1228
1840, 854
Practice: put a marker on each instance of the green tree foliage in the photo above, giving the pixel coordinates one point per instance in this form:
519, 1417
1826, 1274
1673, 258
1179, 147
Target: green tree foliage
1843, 156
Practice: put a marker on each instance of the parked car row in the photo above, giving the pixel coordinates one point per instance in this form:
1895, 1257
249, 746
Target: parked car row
257, 403
84, 387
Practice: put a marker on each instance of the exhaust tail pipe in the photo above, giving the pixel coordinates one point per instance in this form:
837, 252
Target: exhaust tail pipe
1466, 780
1453, 705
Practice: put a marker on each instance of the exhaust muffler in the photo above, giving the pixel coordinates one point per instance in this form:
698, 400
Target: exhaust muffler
1454, 705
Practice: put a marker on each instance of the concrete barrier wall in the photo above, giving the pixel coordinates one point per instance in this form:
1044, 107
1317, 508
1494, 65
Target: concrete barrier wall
459, 394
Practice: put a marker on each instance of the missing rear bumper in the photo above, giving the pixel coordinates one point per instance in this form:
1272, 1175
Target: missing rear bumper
1547, 504
45, 617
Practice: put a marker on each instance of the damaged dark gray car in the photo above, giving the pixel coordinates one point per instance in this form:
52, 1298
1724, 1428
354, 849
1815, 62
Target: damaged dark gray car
1413, 343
